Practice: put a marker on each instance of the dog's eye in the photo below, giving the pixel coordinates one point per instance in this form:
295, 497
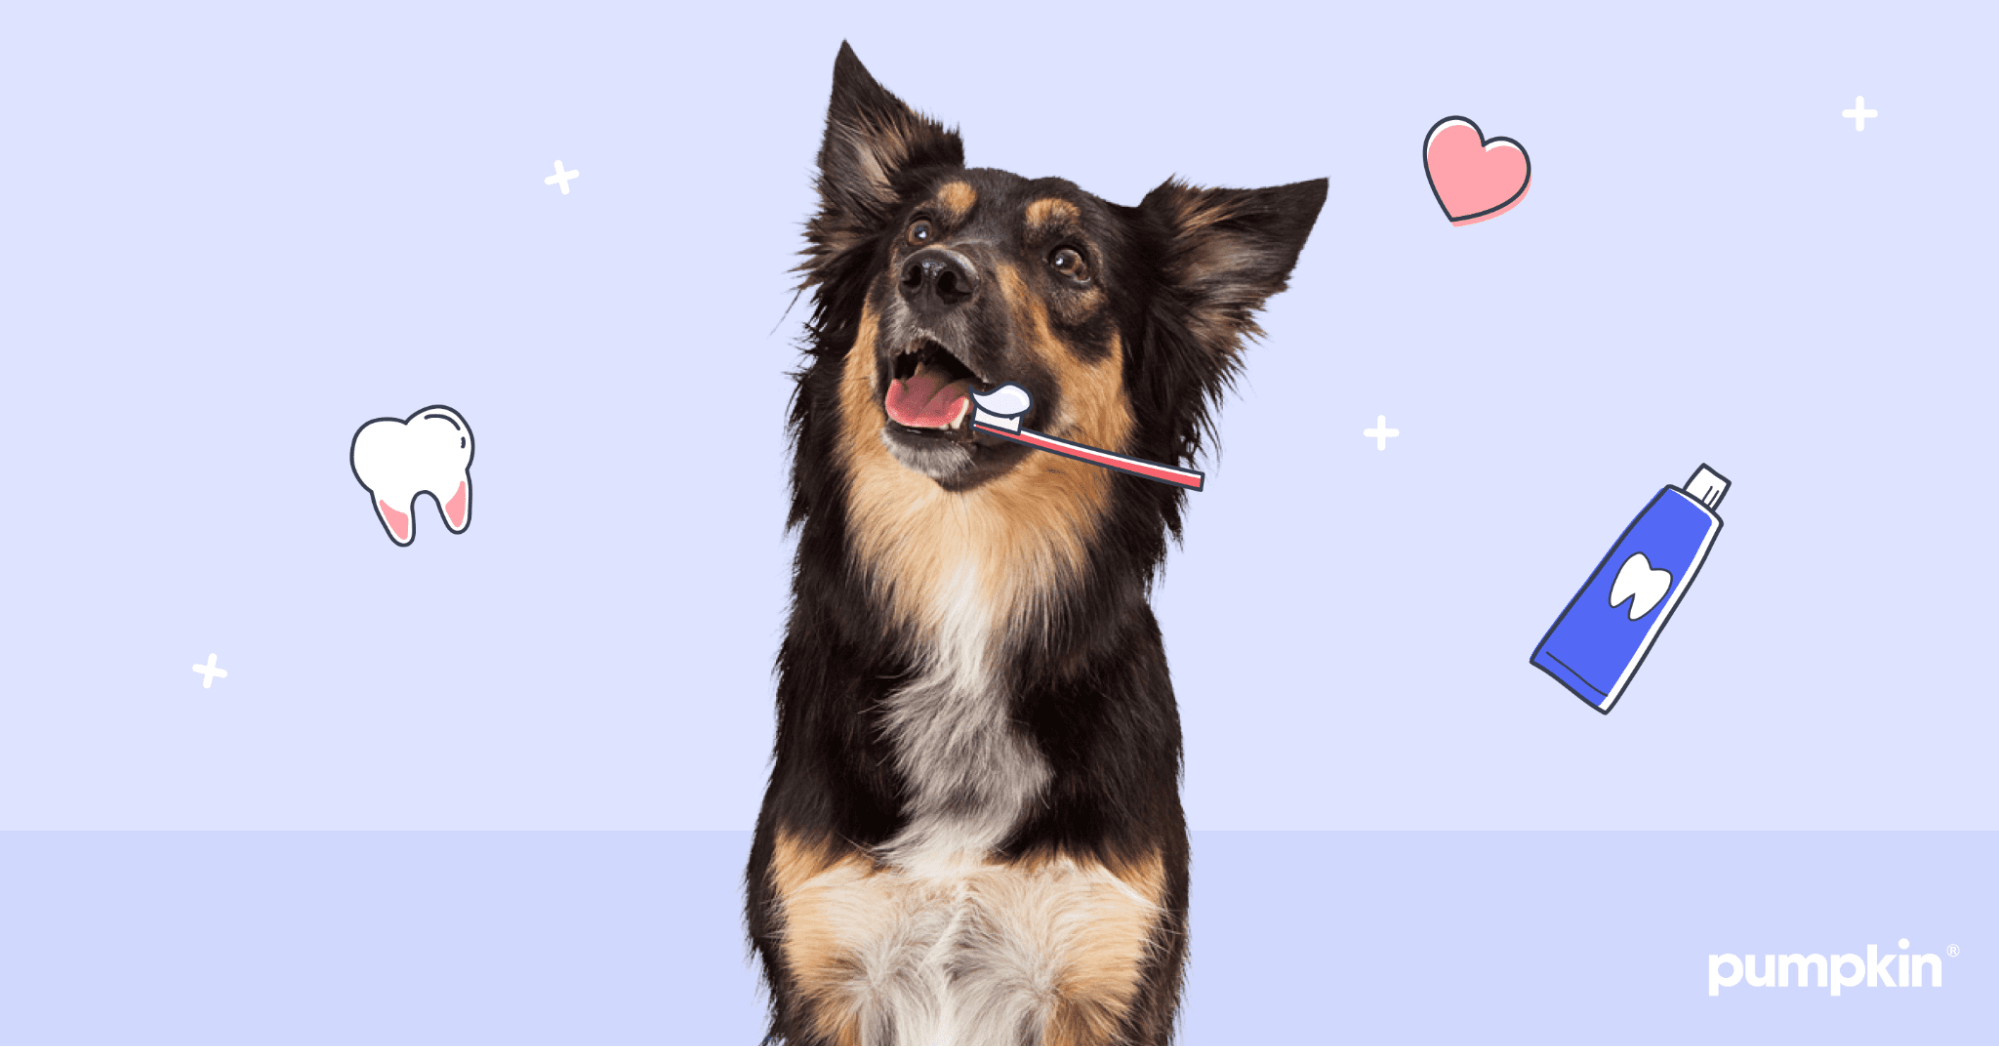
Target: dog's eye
920, 232
1069, 262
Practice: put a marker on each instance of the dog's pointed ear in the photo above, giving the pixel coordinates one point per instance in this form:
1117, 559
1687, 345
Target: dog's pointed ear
1228, 250
872, 138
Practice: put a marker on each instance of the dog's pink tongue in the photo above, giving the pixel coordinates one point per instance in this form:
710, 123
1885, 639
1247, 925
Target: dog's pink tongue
925, 400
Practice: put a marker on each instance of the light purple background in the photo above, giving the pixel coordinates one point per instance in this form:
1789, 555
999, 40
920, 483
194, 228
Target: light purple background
232, 235
235, 236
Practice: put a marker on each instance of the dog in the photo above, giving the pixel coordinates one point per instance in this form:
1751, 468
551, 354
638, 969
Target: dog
973, 831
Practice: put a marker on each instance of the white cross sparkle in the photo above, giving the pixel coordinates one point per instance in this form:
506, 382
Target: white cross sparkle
561, 176
209, 672
1859, 113
1380, 433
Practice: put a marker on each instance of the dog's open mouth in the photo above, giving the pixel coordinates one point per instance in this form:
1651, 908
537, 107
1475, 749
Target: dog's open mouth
929, 389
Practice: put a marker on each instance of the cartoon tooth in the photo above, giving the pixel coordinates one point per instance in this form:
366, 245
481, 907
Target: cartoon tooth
1641, 584
397, 459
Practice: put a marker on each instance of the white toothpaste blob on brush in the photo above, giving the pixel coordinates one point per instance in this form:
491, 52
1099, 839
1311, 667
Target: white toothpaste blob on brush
1002, 406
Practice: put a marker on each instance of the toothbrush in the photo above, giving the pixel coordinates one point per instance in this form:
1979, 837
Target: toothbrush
999, 412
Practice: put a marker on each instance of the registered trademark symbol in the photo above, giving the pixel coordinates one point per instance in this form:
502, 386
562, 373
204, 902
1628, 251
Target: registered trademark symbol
1952, 950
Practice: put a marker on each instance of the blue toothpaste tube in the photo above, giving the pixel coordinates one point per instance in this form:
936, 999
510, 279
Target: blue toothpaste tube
1603, 636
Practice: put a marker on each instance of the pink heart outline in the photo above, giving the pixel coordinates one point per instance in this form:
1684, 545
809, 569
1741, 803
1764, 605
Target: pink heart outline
1484, 143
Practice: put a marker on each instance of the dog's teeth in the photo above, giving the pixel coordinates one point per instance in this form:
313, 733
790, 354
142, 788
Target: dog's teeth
397, 460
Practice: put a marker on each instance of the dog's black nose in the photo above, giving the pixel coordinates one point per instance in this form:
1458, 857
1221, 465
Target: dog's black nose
937, 278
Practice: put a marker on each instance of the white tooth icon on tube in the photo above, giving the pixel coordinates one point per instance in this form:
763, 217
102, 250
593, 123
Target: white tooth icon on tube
397, 459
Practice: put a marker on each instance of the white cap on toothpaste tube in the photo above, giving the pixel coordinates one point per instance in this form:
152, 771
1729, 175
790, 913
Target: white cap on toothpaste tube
1707, 487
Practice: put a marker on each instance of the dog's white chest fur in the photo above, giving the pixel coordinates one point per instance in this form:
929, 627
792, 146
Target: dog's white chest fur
971, 772
951, 943
975, 954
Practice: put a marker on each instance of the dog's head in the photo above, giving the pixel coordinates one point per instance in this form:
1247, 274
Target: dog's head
933, 280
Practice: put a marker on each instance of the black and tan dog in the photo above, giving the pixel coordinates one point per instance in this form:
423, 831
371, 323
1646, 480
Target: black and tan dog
973, 831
